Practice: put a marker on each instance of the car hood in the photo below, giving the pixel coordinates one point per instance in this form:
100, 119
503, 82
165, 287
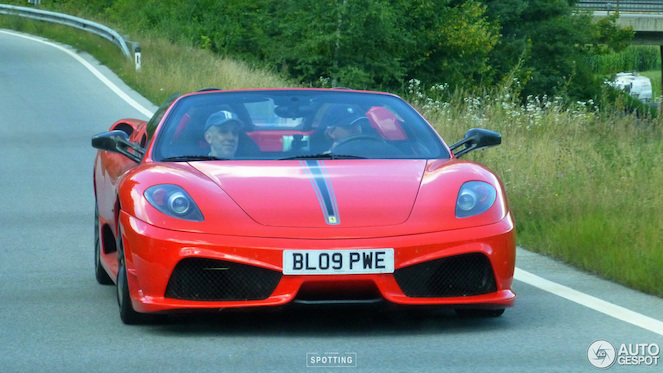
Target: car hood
344, 193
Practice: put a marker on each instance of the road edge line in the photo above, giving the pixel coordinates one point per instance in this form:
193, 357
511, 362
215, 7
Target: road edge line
610, 309
148, 113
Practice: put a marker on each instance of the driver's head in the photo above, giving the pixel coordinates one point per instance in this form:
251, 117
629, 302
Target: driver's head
222, 133
344, 121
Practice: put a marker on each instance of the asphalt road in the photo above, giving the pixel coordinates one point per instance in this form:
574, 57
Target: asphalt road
54, 317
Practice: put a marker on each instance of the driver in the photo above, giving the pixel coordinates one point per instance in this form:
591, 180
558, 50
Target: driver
346, 123
222, 134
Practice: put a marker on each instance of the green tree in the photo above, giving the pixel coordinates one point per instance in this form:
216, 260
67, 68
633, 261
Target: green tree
381, 44
357, 43
452, 41
377, 43
547, 45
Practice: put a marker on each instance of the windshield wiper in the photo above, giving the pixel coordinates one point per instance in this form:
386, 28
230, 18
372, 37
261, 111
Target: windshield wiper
322, 156
191, 158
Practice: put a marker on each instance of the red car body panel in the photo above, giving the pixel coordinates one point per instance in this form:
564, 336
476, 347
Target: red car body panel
156, 253
255, 209
291, 202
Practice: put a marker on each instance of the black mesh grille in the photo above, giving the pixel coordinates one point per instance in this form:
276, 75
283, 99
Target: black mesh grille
210, 280
461, 275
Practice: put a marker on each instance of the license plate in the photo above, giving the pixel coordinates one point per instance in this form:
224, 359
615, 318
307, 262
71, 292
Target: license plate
338, 262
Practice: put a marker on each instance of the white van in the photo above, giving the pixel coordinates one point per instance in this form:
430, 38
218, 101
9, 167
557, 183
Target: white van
636, 85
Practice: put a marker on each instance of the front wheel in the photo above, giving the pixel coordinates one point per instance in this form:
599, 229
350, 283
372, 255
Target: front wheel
99, 271
128, 315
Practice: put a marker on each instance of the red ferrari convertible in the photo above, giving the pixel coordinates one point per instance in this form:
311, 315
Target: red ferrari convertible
255, 198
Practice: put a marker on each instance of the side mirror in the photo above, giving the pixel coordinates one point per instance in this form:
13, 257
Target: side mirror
118, 142
476, 139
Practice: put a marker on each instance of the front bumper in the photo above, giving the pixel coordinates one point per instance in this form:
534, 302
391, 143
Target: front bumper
171, 270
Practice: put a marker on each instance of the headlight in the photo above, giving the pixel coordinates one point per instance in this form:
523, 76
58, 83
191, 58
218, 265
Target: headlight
474, 198
173, 201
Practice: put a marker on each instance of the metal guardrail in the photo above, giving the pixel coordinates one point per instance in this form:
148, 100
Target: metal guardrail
644, 6
79, 23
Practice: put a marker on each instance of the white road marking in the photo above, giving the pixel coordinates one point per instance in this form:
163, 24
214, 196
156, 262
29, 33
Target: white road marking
93, 70
618, 312
589, 301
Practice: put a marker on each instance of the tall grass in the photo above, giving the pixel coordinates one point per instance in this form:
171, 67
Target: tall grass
169, 68
633, 58
586, 186
655, 78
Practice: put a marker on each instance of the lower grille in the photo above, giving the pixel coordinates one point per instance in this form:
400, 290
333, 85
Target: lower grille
461, 275
217, 280
356, 290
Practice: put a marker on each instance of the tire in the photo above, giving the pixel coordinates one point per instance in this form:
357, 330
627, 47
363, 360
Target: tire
128, 315
478, 313
99, 272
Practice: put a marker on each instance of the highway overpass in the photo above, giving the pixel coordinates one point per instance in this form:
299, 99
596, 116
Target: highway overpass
645, 16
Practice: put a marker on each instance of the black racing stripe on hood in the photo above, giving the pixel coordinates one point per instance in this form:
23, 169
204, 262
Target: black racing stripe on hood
323, 190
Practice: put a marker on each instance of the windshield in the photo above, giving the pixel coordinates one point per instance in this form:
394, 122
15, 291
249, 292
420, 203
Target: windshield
294, 124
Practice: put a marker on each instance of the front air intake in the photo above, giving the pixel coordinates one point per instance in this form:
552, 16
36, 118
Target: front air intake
204, 279
455, 276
